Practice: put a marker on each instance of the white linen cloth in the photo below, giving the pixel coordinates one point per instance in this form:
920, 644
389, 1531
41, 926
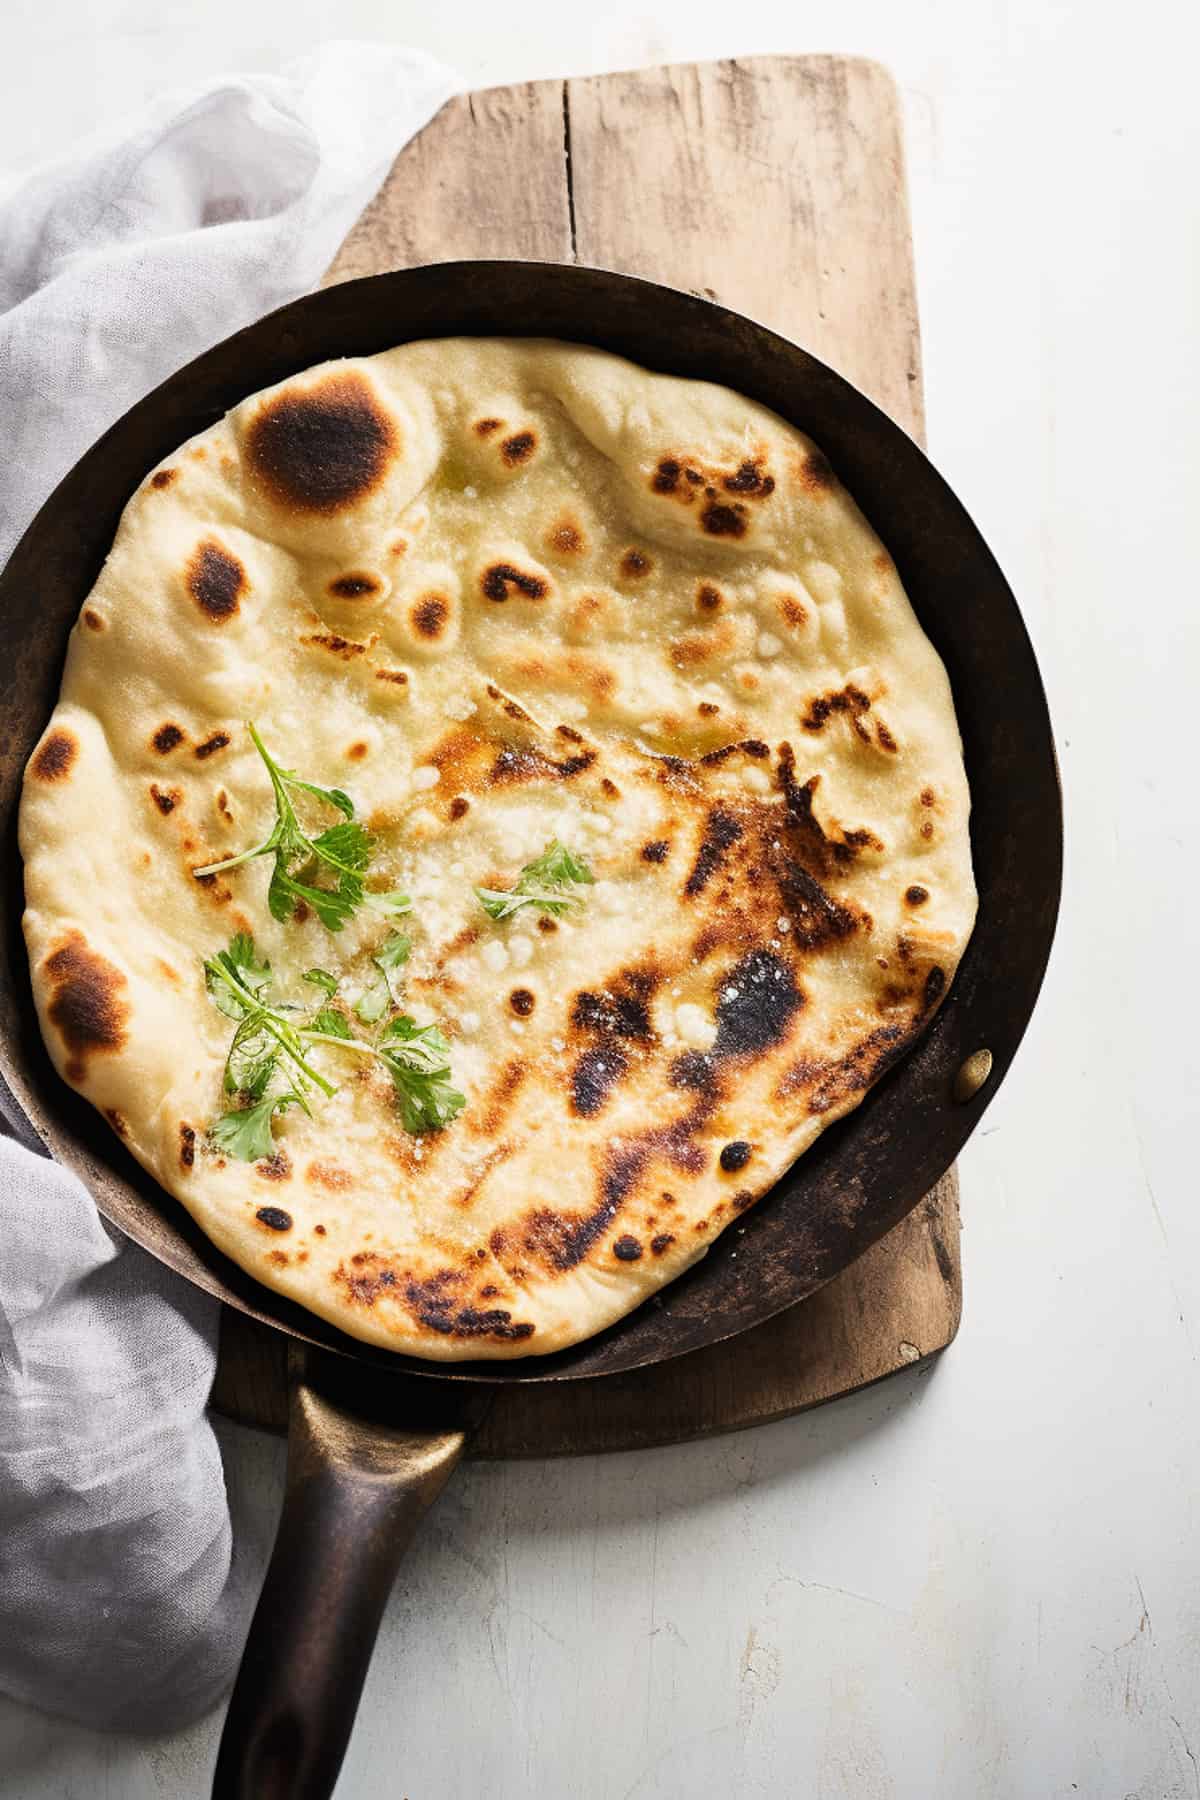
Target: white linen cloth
122, 1603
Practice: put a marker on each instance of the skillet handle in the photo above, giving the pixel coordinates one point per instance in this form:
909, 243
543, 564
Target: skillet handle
357, 1488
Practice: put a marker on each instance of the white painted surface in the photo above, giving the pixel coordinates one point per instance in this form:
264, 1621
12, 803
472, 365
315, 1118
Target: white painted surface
982, 1582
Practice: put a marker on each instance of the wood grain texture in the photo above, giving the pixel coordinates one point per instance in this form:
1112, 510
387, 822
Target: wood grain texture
484, 178
776, 185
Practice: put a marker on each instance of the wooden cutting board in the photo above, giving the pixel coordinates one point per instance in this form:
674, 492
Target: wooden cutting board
775, 185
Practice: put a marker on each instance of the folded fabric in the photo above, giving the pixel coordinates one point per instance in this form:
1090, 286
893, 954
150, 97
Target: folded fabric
121, 1603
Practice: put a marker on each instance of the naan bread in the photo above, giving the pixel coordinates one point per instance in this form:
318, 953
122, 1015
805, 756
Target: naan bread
502, 592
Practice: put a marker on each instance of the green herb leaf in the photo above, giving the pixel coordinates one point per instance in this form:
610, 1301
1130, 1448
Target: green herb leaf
246, 1134
240, 962
556, 867
226, 980
395, 951
331, 905
427, 1102
382, 994
540, 885
243, 957
344, 848
253, 1058
421, 1045
268, 1060
331, 796
418, 1059
502, 903
392, 906
374, 1002
499, 903
331, 1023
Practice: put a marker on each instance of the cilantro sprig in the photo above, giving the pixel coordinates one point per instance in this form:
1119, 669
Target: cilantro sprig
343, 851
542, 884
268, 1064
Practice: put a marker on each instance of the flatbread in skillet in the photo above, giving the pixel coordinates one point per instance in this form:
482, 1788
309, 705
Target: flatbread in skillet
510, 597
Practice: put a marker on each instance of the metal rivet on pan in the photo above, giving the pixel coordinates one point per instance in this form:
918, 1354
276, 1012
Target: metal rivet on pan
972, 1075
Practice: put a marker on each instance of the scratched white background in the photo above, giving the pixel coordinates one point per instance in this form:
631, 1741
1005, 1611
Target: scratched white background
984, 1581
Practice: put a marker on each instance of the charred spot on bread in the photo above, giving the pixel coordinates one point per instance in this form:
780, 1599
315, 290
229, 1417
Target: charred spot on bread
722, 830
594, 1076
635, 564
88, 1006
502, 579
274, 1218
166, 799
565, 536
430, 614
216, 580
56, 755
354, 586
750, 478
519, 447
323, 447
277, 1167
720, 519
816, 474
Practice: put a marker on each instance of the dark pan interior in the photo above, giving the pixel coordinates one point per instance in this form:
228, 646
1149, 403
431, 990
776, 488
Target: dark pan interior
864, 1174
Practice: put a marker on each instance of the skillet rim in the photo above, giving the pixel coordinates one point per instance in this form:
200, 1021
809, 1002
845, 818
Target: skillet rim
855, 429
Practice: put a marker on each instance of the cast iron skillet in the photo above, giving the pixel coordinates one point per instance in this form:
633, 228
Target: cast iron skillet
374, 1436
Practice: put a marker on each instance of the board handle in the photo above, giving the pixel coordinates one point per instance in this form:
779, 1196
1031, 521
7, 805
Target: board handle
368, 1454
